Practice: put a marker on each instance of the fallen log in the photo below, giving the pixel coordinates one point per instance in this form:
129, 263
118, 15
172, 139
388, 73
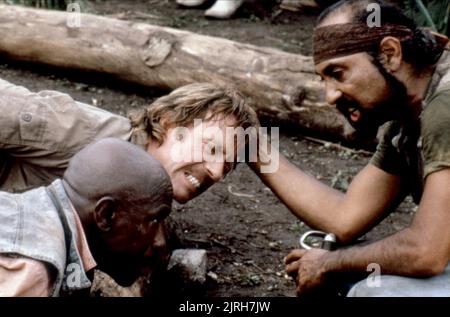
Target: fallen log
282, 86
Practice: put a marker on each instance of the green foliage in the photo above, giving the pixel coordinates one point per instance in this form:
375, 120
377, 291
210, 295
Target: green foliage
46, 4
430, 13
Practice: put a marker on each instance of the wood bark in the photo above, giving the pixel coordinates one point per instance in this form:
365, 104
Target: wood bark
282, 86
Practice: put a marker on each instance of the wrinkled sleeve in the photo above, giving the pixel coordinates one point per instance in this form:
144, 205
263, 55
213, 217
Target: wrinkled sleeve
386, 156
23, 277
47, 128
435, 131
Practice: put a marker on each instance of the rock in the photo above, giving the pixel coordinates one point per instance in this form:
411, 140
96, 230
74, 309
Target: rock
104, 286
213, 275
188, 266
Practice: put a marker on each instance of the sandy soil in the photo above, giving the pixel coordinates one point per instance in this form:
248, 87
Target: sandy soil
242, 225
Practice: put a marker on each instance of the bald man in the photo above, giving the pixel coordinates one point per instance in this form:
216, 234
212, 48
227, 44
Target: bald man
105, 212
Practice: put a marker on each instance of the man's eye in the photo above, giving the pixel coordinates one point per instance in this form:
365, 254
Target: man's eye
210, 148
337, 74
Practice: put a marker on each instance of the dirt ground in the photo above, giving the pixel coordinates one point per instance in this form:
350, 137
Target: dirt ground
242, 225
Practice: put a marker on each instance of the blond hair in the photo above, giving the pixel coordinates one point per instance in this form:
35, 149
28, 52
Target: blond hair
183, 105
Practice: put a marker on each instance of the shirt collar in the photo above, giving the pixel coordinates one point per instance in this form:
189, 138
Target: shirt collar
442, 69
82, 244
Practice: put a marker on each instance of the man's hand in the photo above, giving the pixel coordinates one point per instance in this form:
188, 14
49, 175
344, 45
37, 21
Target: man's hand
306, 267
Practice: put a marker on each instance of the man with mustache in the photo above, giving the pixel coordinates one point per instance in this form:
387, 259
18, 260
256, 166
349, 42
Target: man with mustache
392, 73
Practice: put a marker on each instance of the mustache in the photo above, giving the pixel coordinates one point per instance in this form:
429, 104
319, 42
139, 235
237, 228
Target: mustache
392, 107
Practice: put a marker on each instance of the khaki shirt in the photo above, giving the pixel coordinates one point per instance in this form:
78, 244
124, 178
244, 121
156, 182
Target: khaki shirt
415, 150
40, 132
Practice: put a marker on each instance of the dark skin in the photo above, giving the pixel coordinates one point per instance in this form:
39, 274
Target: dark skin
122, 196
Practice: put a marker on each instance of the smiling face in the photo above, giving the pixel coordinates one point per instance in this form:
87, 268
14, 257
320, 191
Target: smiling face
197, 156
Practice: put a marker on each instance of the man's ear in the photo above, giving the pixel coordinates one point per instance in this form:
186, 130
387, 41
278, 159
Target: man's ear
391, 53
104, 213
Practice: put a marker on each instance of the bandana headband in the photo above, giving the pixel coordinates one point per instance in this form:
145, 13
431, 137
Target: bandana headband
338, 40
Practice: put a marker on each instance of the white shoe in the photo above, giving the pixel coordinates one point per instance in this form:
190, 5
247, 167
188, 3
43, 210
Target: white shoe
223, 9
191, 3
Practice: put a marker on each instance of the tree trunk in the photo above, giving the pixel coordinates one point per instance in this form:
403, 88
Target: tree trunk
282, 86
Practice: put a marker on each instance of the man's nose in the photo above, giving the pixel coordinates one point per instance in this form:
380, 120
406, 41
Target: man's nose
158, 244
215, 170
332, 93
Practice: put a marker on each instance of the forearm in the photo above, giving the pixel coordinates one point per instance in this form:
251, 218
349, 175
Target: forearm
423, 249
322, 207
310, 200
400, 254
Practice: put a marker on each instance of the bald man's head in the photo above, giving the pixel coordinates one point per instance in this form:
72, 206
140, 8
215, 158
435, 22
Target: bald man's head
119, 169
122, 195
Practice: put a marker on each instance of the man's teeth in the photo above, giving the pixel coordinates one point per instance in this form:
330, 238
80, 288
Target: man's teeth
194, 181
